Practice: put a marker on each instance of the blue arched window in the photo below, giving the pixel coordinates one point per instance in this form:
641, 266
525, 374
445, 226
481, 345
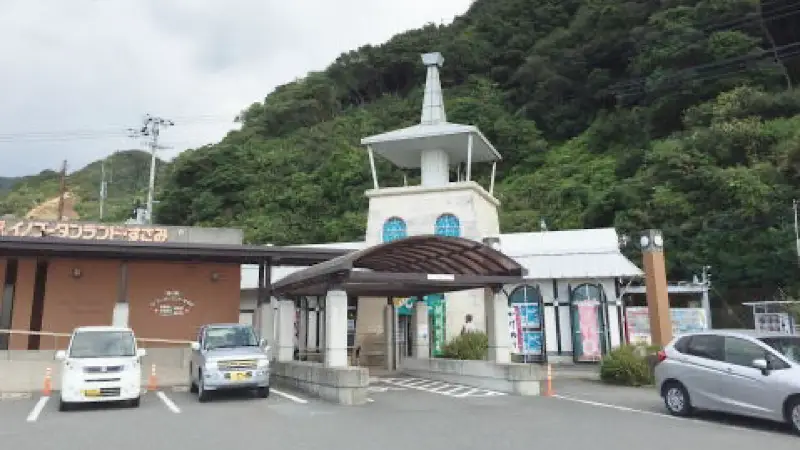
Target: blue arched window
525, 294
394, 229
447, 225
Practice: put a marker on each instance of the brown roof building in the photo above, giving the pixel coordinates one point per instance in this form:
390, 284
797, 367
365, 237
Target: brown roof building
164, 282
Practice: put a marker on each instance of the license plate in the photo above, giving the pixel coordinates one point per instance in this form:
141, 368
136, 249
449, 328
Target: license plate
239, 376
91, 393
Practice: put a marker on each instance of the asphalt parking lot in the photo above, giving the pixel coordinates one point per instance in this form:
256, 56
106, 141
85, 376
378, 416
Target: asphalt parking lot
402, 412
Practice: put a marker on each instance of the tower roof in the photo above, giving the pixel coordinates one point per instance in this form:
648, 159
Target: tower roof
404, 147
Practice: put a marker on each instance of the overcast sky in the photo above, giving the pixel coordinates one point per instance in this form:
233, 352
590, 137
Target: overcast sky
75, 74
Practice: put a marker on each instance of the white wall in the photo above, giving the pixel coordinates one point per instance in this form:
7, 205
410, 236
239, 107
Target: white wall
420, 206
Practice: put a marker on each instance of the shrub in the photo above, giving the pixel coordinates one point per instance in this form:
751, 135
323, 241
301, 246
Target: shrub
626, 365
472, 346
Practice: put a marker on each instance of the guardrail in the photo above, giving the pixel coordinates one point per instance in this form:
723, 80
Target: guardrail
59, 339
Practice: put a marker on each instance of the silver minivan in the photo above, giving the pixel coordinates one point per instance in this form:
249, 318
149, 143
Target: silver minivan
742, 372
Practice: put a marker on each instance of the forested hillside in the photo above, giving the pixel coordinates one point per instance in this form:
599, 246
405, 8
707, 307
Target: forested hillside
671, 114
126, 171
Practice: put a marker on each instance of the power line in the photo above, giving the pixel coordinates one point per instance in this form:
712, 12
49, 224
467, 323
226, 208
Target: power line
694, 73
102, 133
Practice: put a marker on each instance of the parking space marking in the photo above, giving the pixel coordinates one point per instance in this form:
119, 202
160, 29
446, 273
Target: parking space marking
168, 402
291, 397
440, 387
617, 407
37, 409
665, 415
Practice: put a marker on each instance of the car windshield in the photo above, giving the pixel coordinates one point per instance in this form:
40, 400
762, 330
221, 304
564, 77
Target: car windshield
229, 337
788, 346
102, 344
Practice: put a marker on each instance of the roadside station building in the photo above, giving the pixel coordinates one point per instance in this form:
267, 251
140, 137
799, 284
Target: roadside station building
566, 306
164, 282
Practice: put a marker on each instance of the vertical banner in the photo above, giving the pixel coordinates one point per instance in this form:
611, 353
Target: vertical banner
515, 329
437, 316
589, 331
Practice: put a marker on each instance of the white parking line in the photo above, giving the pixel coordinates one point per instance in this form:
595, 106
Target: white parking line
664, 415
617, 407
37, 409
291, 397
168, 402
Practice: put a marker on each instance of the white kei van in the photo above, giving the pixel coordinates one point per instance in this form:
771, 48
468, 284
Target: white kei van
101, 364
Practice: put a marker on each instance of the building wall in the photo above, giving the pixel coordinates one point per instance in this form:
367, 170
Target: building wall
459, 304
70, 302
23, 302
211, 301
420, 206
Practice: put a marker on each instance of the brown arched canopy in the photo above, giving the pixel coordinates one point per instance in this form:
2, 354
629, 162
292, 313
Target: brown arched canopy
414, 265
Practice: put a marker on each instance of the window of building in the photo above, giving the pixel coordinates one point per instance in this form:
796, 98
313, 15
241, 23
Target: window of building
394, 229
526, 324
447, 225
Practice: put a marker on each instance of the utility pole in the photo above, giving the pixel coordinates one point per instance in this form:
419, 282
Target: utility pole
103, 188
151, 127
796, 233
62, 192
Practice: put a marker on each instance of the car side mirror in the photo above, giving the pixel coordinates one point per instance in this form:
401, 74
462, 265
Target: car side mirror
195, 345
761, 364
140, 352
61, 355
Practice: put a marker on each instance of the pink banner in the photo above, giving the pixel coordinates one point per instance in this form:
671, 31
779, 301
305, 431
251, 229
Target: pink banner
519, 327
590, 336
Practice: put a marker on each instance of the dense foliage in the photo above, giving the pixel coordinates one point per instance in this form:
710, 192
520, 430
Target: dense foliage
467, 346
671, 114
127, 172
627, 365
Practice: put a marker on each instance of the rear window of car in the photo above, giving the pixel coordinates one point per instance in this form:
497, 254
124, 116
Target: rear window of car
681, 344
708, 346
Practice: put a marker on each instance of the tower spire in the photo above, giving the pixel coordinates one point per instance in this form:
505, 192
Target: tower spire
433, 103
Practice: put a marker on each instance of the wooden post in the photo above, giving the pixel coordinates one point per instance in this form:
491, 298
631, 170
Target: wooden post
655, 272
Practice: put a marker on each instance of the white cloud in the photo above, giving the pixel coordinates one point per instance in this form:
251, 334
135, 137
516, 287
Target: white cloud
100, 65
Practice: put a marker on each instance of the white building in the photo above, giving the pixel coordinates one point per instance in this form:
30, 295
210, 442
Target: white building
569, 305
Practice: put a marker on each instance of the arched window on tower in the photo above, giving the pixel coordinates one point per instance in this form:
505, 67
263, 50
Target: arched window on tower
447, 225
393, 229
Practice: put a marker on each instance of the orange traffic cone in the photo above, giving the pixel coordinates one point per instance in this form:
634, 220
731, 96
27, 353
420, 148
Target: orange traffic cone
48, 383
151, 381
549, 389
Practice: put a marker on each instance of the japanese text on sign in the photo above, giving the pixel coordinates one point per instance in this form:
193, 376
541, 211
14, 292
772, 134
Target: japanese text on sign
82, 231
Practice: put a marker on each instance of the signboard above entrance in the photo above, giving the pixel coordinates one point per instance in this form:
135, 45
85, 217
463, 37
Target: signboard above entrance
82, 231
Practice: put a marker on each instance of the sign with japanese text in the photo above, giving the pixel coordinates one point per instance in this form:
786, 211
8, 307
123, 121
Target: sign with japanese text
82, 231
173, 303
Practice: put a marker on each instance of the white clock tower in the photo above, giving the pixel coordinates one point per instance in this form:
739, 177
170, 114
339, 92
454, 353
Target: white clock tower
448, 201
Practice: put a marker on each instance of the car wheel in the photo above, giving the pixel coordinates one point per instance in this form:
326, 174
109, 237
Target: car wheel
192, 384
135, 402
793, 414
64, 406
202, 393
677, 399
263, 392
